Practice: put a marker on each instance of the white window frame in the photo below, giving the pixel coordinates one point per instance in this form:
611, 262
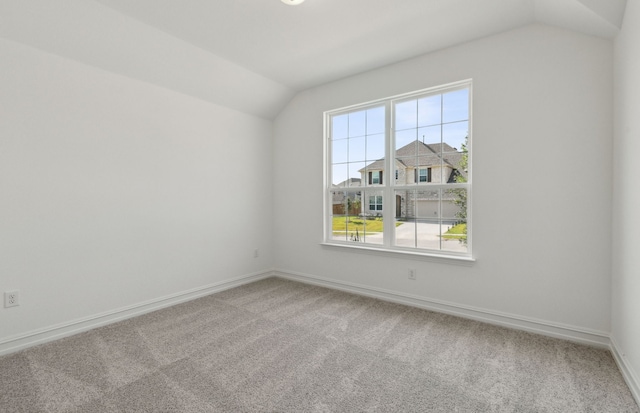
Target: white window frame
391, 186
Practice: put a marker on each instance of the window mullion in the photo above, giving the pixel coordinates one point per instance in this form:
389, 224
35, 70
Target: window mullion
389, 199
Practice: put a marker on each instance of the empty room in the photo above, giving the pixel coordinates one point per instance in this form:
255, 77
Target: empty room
319, 205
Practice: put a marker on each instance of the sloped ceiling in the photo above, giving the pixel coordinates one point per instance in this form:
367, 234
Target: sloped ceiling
254, 55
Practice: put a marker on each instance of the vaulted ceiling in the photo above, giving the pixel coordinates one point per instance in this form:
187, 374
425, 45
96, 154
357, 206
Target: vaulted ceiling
254, 55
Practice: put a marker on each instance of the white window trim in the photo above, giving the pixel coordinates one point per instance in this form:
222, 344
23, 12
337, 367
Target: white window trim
389, 188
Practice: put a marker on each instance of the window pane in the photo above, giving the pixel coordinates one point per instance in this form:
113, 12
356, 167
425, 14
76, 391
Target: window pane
338, 215
339, 174
339, 151
454, 220
356, 171
406, 172
457, 160
339, 126
372, 221
455, 106
406, 232
375, 121
427, 205
430, 134
430, 110
423, 219
357, 149
357, 124
455, 135
346, 210
406, 137
454, 205
427, 210
419, 158
406, 115
375, 147
373, 175
405, 228
454, 236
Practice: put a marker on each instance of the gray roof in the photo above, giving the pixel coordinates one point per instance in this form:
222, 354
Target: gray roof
417, 154
348, 183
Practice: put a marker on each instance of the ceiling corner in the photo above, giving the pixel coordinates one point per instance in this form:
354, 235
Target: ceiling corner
610, 10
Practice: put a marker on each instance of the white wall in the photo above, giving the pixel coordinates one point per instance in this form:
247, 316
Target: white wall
626, 197
115, 192
542, 180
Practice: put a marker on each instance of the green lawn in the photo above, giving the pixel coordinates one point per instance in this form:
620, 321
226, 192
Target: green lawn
350, 224
457, 232
353, 223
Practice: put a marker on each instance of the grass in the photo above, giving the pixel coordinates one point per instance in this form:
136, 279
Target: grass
456, 232
364, 226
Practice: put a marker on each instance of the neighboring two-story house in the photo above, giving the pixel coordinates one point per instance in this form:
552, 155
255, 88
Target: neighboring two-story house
417, 163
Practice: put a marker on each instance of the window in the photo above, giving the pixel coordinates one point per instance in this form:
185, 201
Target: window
425, 174
375, 178
375, 203
408, 160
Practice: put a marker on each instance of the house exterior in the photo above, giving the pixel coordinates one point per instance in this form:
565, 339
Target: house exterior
417, 163
344, 202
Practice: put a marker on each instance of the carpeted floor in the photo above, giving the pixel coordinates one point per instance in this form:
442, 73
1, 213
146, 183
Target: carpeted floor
281, 346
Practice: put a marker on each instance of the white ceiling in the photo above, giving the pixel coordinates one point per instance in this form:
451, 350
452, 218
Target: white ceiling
253, 55
322, 40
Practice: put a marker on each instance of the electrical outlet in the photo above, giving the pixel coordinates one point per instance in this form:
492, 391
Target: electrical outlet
412, 274
11, 298
256, 253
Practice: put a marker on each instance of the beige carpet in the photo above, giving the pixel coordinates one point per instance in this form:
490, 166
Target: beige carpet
281, 346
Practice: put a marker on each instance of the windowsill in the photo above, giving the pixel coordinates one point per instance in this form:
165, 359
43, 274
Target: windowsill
381, 251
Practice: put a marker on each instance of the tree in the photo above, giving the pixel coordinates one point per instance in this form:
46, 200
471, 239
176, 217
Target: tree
461, 194
353, 206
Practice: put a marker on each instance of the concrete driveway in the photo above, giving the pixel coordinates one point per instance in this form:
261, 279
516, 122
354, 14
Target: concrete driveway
427, 233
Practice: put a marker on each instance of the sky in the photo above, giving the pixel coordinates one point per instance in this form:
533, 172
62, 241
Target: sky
357, 138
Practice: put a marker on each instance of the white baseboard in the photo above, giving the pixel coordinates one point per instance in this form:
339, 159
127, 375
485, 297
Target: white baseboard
40, 336
556, 330
546, 328
576, 334
632, 379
